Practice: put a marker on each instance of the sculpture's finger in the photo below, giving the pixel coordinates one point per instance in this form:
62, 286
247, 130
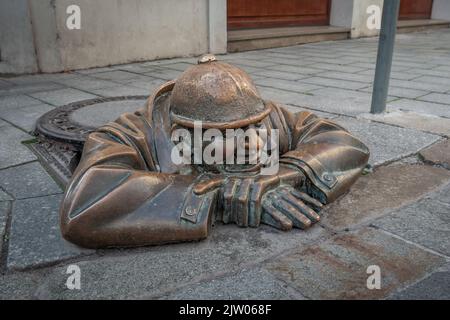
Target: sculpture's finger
256, 194
299, 220
241, 203
300, 206
308, 199
228, 193
208, 185
273, 217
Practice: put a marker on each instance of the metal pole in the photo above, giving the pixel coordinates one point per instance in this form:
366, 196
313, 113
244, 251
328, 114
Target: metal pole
384, 58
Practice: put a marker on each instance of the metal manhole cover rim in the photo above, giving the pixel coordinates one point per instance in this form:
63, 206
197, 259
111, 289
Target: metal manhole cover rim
55, 123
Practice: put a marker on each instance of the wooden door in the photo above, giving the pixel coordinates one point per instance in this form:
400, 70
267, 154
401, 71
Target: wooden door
415, 9
277, 13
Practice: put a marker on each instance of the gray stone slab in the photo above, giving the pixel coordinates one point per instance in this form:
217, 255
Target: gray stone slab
420, 107
25, 117
434, 287
337, 67
155, 271
280, 75
180, 66
32, 87
387, 143
348, 106
4, 196
35, 238
337, 268
62, 97
418, 85
346, 76
317, 113
426, 222
253, 284
164, 73
28, 180
13, 152
121, 90
88, 83
101, 113
286, 85
4, 212
413, 120
18, 286
95, 70
401, 92
149, 84
115, 75
437, 98
299, 69
17, 101
437, 154
436, 80
385, 190
400, 75
344, 84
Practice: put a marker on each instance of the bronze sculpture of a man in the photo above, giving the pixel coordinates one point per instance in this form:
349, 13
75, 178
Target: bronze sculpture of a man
128, 191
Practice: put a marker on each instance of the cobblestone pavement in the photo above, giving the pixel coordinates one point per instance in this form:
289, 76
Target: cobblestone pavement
397, 217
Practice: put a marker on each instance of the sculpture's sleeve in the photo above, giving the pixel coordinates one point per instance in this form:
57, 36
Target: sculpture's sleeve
116, 198
330, 157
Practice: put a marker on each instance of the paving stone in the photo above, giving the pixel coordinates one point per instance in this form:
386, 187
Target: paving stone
149, 85
337, 67
400, 75
248, 69
88, 83
413, 120
436, 80
437, 98
25, 117
299, 69
280, 75
430, 108
4, 211
63, 96
4, 196
115, 75
121, 90
401, 92
344, 84
385, 142
28, 180
92, 71
437, 154
386, 189
13, 152
105, 112
164, 73
426, 222
435, 287
416, 84
144, 272
246, 285
27, 88
349, 106
18, 101
346, 76
180, 66
35, 238
18, 286
286, 85
336, 268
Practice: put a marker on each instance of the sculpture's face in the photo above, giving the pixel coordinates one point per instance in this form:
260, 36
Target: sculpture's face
236, 151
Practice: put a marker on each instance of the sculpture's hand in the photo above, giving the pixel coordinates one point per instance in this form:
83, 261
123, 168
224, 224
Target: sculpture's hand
285, 207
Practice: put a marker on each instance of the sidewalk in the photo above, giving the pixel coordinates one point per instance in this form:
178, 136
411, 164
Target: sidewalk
396, 217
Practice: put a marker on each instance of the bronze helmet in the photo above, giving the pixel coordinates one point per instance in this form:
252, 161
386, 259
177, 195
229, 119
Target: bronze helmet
218, 94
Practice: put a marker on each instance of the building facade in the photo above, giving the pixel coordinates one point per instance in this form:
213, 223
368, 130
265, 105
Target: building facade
62, 35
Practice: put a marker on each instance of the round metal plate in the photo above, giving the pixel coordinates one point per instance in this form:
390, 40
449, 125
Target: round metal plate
73, 122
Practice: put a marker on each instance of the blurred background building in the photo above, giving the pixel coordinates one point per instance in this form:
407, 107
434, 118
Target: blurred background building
34, 36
